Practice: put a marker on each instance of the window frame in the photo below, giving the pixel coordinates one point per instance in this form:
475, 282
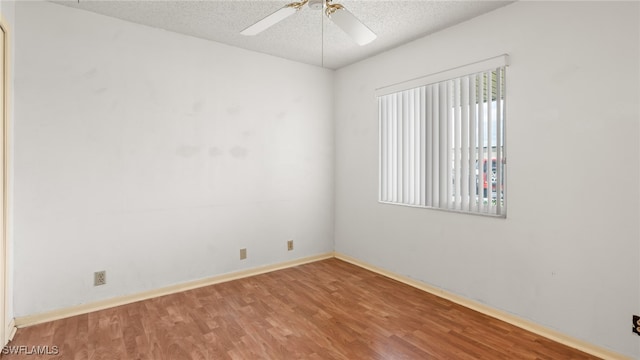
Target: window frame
499, 210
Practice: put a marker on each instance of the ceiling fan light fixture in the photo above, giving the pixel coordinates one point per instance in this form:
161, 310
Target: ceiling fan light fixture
350, 24
316, 4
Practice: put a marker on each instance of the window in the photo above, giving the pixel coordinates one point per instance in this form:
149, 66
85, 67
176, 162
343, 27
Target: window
442, 140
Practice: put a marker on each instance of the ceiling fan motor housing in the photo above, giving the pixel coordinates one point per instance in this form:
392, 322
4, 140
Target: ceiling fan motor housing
316, 4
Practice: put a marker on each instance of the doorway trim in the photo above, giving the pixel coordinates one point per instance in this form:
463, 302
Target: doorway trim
7, 324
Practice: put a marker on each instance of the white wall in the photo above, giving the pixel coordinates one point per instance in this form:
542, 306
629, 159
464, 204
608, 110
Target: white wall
156, 157
568, 254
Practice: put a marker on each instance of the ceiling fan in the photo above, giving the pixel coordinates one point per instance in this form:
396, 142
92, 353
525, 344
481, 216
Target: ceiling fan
336, 12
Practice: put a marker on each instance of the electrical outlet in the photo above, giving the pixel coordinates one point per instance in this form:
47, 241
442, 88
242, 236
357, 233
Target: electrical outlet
99, 278
243, 254
289, 245
636, 324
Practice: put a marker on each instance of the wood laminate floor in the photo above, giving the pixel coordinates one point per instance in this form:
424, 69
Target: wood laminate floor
324, 310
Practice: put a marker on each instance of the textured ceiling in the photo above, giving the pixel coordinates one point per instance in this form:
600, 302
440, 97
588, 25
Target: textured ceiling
306, 36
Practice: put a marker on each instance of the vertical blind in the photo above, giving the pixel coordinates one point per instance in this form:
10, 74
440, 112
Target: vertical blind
442, 144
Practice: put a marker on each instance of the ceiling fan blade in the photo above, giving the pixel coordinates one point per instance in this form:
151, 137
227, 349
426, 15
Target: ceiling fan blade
270, 20
352, 26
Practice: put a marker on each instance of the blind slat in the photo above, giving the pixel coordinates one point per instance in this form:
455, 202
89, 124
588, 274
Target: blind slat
382, 148
396, 146
390, 153
444, 146
498, 142
464, 156
412, 148
399, 149
429, 141
405, 148
490, 121
423, 147
456, 145
418, 153
473, 153
435, 137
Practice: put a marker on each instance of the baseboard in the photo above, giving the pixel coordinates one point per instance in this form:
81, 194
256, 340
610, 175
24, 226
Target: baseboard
11, 330
484, 309
25, 321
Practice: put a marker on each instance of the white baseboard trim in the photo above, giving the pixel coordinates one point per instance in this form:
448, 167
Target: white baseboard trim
11, 330
498, 314
30, 320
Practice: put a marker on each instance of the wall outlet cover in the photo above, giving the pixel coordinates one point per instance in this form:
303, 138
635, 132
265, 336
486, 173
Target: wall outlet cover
99, 278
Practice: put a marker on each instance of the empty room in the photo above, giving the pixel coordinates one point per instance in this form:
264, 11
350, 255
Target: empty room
320, 179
